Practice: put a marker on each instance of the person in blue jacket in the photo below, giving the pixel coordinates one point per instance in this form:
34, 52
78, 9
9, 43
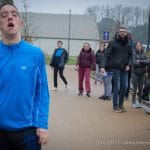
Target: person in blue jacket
24, 95
58, 62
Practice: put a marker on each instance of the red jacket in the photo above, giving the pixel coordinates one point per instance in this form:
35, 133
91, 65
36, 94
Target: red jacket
86, 59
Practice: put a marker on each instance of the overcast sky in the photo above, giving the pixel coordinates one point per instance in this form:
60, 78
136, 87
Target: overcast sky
77, 6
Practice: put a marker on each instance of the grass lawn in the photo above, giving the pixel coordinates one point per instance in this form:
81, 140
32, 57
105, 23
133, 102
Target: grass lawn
148, 53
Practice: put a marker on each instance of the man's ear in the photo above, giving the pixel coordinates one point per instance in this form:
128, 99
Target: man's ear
22, 23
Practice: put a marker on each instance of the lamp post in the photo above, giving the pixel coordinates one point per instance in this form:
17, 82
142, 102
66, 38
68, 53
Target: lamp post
69, 32
148, 37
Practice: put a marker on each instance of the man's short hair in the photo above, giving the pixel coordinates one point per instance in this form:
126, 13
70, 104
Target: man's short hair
60, 42
11, 4
4, 4
122, 28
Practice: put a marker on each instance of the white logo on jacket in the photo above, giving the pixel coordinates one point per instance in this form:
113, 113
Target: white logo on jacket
23, 67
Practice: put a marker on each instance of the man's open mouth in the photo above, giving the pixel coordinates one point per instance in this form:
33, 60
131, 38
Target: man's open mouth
10, 24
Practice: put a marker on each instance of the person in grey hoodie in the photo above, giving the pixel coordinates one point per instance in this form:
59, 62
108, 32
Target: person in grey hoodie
98, 56
138, 71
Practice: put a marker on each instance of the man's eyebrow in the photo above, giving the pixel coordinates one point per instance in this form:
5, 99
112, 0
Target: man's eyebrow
13, 11
8, 11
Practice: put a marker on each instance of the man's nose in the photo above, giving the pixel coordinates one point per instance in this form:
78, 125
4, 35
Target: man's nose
10, 16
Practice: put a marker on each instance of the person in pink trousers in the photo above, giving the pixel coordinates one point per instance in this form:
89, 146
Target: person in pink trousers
85, 63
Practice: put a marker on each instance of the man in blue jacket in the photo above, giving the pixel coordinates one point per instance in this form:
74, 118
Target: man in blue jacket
58, 62
24, 96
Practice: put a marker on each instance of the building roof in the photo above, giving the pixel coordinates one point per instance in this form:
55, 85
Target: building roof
57, 26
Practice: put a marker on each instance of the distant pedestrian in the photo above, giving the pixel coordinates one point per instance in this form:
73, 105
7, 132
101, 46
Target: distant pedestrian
132, 45
138, 71
98, 56
107, 80
118, 59
85, 62
106, 45
58, 61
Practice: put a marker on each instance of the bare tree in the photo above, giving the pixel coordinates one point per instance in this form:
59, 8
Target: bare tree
111, 18
29, 31
93, 11
122, 15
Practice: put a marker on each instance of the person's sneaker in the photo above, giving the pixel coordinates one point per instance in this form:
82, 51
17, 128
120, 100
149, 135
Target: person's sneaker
80, 93
122, 109
95, 82
67, 87
54, 89
101, 97
107, 98
115, 109
126, 98
140, 105
137, 104
134, 105
88, 94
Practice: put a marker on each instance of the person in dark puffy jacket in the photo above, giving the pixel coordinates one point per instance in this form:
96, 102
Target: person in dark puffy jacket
132, 45
85, 62
118, 59
138, 71
99, 56
58, 61
107, 80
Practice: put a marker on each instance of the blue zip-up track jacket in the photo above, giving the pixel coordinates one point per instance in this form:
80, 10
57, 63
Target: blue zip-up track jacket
24, 95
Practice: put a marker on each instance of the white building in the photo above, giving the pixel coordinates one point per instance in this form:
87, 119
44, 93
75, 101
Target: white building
54, 27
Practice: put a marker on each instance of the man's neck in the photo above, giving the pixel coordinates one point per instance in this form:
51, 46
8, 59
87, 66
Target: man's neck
122, 38
8, 40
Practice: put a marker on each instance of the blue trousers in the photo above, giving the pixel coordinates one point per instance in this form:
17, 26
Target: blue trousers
120, 79
107, 81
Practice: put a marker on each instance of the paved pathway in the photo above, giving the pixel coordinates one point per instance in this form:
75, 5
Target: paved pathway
81, 123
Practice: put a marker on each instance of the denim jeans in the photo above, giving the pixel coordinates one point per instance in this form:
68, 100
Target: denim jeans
107, 81
97, 73
120, 79
19, 140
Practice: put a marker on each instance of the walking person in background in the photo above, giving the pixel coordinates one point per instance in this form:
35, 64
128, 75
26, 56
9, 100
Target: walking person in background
85, 62
138, 71
106, 45
118, 59
98, 56
107, 80
146, 87
24, 95
132, 45
58, 61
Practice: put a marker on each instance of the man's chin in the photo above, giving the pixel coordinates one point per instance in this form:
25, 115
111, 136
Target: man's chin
11, 34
